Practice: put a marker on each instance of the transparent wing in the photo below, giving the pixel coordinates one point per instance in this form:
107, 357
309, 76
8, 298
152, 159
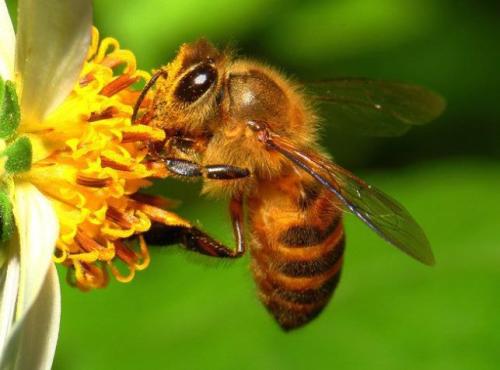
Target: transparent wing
383, 214
379, 211
373, 107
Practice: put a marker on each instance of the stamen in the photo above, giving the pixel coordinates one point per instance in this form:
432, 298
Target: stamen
89, 257
107, 113
89, 276
124, 253
60, 254
92, 182
143, 134
118, 85
119, 218
108, 46
108, 162
119, 276
129, 258
93, 247
144, 258
85, 80
94, 43
111, 62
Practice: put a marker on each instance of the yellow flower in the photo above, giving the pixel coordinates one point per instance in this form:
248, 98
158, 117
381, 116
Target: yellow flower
93, 163
76, 164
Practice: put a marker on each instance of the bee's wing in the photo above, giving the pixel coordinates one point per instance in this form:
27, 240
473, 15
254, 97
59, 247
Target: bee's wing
373, 107
380, 212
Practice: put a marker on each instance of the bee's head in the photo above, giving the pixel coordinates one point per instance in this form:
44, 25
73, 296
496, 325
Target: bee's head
186, 96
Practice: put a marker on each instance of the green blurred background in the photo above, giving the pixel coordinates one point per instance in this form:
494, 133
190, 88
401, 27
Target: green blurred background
389, 312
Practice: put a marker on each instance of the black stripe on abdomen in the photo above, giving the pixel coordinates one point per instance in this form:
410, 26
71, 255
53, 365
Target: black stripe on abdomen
295, 308
316, 266
307, 235
310, 296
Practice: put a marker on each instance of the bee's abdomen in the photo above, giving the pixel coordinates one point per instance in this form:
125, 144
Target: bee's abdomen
297, 263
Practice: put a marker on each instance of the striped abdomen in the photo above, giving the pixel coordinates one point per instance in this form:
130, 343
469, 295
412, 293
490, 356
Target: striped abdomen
297, 248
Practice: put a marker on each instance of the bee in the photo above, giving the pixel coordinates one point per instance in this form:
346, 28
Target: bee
252, 136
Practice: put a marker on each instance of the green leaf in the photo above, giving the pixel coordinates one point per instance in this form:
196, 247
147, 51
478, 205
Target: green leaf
9, 109
6, 217
2, 91
19, 156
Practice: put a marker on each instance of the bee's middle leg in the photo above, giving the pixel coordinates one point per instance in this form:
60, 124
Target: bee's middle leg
194, 239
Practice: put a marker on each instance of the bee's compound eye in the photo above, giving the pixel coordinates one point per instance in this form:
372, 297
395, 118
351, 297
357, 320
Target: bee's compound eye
196, 83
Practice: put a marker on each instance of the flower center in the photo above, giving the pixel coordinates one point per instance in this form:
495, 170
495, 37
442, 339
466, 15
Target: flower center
90, 160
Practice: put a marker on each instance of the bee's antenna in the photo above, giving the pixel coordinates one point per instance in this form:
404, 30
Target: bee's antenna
144, 91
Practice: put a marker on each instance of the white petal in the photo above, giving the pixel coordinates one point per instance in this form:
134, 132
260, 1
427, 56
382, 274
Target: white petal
7, 43
33, 341
38, 230
9, 284
52, 41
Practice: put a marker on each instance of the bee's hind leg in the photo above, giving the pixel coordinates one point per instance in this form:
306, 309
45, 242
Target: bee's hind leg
195, 240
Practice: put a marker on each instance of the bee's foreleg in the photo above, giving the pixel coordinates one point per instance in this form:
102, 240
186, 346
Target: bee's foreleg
183, 167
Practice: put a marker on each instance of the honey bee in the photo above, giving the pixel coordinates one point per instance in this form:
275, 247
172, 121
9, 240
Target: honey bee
252, 136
